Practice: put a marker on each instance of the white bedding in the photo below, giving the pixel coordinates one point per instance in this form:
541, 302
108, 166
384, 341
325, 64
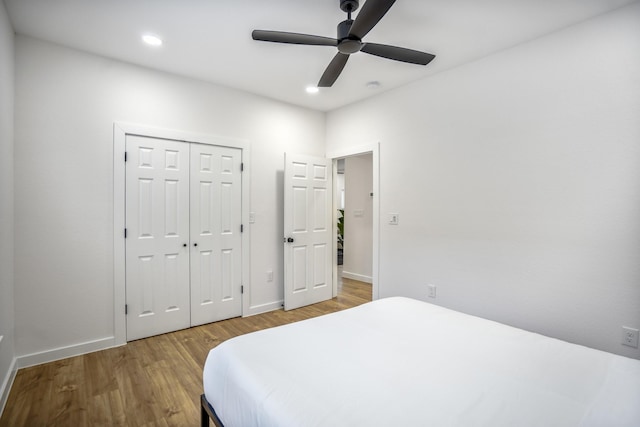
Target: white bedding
402, 362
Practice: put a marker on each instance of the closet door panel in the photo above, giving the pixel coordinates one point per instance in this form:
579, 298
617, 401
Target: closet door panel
216, 208
157, 224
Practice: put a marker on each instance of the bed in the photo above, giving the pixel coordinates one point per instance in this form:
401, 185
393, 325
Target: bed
402, 362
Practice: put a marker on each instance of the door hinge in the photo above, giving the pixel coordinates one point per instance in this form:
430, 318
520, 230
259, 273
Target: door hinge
125, 156
126, 309
241, 167
242, 289
125, 233
242, 228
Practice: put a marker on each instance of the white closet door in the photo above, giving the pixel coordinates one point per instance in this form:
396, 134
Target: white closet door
157, 223
216, 244
308, 230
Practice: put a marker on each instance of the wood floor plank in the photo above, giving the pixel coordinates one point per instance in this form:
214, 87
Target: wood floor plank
68, 396
155, 381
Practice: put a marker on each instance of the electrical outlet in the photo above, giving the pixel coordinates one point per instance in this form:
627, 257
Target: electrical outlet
432, 291
630, 336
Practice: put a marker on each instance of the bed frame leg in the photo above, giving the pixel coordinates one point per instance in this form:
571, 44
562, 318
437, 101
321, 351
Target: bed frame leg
204, 416
208, 413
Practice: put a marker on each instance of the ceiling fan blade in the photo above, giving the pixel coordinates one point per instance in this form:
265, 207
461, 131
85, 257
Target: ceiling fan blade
368, 17
333, 70
292, 38
397, 53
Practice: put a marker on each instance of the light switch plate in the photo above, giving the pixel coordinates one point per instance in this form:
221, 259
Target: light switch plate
394, 218
432, 291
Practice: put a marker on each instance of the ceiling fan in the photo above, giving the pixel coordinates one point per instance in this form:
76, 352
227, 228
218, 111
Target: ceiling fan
350, 35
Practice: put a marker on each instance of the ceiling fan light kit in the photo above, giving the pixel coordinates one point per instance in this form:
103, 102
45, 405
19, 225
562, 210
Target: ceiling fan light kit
349, 40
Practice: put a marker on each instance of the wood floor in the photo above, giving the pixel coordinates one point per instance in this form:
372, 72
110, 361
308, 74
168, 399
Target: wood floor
155, 381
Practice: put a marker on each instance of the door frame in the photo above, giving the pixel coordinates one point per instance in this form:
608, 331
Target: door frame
120, 132
374, 150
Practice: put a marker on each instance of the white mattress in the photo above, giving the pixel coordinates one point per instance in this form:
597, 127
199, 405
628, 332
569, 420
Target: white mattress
402, 362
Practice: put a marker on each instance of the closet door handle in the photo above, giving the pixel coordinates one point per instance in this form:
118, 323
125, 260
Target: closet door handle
195, 244
184, 244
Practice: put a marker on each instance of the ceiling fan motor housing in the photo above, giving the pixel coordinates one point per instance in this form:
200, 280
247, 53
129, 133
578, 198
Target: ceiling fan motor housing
346, 44
343, 29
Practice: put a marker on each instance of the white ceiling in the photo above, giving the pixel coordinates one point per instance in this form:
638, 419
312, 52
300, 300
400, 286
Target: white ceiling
211, 39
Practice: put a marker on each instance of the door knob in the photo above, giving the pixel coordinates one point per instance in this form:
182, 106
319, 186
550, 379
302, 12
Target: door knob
184, 244
195, 244
290, 239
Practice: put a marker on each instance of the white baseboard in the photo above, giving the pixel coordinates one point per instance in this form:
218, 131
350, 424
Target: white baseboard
64, 352
6, 385
263, 308
358, 277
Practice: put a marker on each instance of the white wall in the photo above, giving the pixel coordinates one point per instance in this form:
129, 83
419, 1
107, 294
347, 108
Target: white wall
66, 104
358, 230
6, 203
517, 181
340, 188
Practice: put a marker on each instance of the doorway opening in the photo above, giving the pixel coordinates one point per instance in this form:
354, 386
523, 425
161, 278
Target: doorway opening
356, 225
355, 219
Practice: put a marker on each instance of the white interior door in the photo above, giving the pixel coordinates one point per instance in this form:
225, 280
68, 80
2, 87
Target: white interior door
308, 220
157, 227
216, 242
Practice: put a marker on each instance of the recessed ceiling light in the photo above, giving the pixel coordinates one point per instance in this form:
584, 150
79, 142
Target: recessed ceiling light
374, 84
152, 40
312, 89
